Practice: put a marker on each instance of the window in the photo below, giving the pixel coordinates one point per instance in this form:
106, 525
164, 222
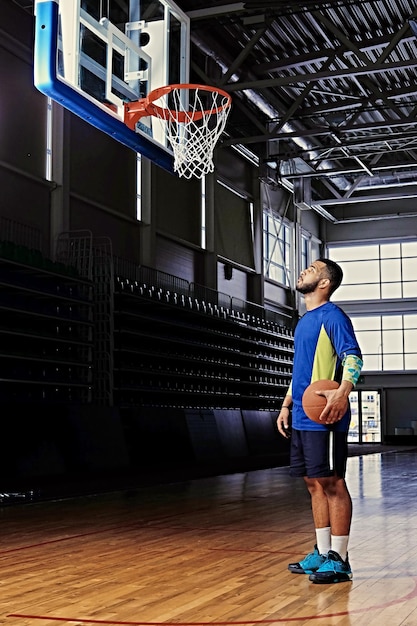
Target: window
378, 271
381, 271
309, 250
387, 342
277, 248
304, 252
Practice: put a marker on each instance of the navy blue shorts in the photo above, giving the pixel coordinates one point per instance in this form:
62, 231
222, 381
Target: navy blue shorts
318, 453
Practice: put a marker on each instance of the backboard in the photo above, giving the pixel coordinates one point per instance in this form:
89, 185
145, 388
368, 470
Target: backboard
94, 56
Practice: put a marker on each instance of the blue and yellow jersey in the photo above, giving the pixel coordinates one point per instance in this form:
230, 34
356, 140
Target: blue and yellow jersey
323, 338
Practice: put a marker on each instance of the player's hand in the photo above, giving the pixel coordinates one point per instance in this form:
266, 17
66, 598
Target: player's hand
283, 424
336, 406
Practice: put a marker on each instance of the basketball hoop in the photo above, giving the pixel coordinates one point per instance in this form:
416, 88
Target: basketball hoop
193, 117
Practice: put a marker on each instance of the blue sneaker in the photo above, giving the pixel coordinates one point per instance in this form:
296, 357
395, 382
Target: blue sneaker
309, 564
333, 570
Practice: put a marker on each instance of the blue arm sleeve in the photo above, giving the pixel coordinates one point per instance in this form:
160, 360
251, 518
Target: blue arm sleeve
352, 366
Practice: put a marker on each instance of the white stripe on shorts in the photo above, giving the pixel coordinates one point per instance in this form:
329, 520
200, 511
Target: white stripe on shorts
331, 450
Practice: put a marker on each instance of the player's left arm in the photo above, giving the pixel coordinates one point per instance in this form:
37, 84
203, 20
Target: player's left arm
351, 358
337, 403
352, 366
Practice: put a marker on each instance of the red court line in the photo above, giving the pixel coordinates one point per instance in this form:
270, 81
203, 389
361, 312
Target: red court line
411, 595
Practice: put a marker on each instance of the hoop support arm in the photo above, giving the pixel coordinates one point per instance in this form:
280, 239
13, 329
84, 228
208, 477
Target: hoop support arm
134, 111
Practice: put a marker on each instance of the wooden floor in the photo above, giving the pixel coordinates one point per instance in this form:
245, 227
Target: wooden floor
212, 551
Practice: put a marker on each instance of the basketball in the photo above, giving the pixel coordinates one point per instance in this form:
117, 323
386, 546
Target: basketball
313, 404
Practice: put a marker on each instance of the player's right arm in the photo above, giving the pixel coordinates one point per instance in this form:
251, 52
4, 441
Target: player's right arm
283, 419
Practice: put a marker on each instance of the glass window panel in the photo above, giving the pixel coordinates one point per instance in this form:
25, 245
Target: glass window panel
372, 362
392, 341
390, 270
369, 341
279, 251
410, 361
410, 340
366, 323
353, 253
410, 321
304, 250
351, 271
393, 362
276, 273
410, 290
271, 241
342, 254
355, 271
390, 250
392, 321
357, 292
409, 248
409, 269
315, 250
275, 254
391, 290
344, 293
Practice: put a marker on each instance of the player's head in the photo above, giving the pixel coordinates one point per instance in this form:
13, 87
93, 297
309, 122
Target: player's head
333, 272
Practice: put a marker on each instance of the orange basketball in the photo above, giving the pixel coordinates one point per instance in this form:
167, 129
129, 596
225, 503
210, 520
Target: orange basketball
314, 404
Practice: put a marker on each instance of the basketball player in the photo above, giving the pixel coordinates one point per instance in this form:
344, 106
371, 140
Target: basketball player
325, 347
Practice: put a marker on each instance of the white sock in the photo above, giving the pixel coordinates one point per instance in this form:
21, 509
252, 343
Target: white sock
323, 540
340, 545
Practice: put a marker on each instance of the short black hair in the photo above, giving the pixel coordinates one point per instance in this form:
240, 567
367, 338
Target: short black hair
334, 273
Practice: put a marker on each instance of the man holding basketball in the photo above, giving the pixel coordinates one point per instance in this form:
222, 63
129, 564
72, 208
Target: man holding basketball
325, 347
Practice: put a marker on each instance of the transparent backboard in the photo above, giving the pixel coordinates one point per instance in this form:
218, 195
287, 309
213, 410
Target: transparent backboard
93, 56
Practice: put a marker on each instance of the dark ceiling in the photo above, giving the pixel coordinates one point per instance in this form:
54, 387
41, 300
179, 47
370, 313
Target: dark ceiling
324, 93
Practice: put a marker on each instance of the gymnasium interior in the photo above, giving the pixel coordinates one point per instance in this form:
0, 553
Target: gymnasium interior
147, 319
167, 170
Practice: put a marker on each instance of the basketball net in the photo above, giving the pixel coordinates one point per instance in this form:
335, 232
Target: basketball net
193, 118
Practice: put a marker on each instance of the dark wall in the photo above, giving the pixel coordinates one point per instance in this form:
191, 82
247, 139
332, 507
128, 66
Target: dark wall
62, 450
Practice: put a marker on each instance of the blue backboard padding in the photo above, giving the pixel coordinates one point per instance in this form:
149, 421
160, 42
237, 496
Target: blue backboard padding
47, 81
